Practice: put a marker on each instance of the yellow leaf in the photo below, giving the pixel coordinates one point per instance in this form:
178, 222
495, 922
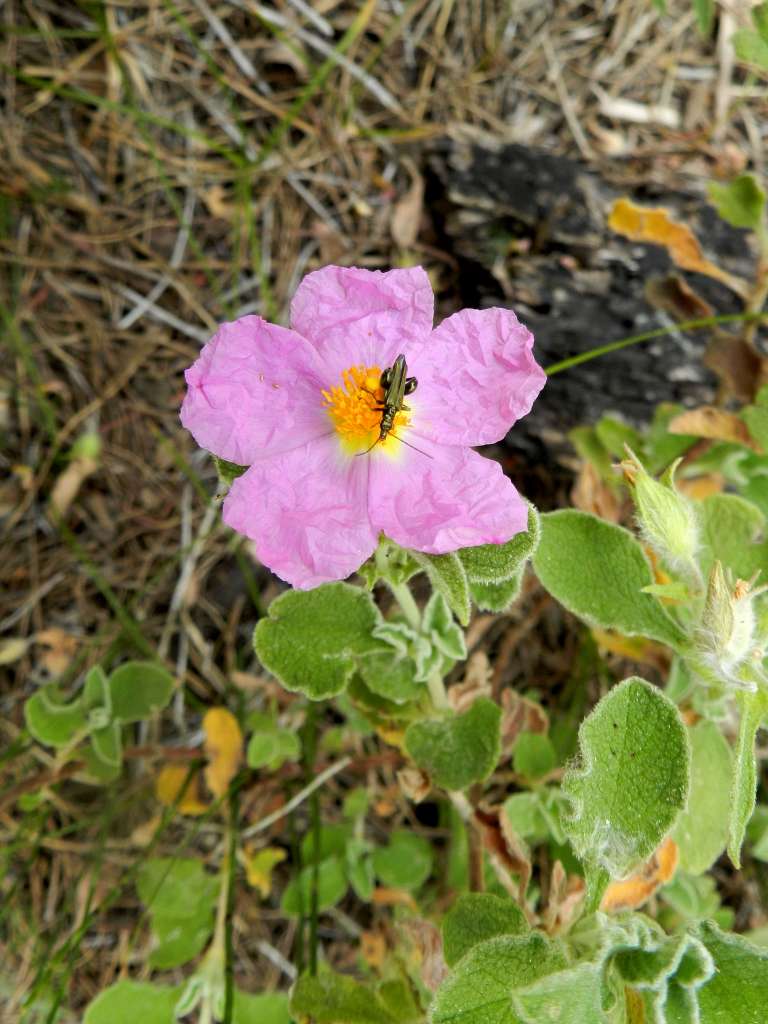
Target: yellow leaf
169, 784
259, 865
224, 748
711, 422
632, 892
635, 647
654, 225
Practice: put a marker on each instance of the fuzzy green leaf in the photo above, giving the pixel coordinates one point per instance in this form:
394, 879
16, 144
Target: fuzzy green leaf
331, 887
572, 996
475, 917
128, 1002
448, 577
701, 831
534, 755
750, 48
482, 986
737, 993
53, 721
741, 202
263, 1008
496, 597
705, 16
458, 750
391, 675
633, 778
180, 896
439, 625
731, 532
598, 570
271, 748
311, 639
760, 20
97, 699
107, 744
138, 689
753, 707
405, 863
492, 563
329, 998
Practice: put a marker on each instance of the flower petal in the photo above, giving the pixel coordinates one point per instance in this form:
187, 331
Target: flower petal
476, 375
254, 391
306, 511
363, 317
454, 499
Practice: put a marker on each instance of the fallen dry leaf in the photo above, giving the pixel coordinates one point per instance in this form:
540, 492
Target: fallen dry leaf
590, 493
12, 649
520, 714
406, 214
60, 648
414, 783
636, 648
711, 422
223, 747
700, 487
476, 683
632, 892
506, 851
655, 225
674, 295
384, 897
427, 943
259, 865
566, 893
742, 371
373, 949
169, 784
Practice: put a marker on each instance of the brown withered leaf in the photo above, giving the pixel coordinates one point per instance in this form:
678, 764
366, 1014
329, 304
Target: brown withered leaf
406, 215
476, 683
519, 714
59, 649
69, 482
632, 892
590, 493
674, 295
700, 487
566, 893
710, 422
507, 853
427, 943
740, 369
414, 783
655, 225
373, 949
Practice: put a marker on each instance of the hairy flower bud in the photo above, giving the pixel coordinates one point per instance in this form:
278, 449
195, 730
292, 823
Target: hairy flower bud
726, 636
666, 517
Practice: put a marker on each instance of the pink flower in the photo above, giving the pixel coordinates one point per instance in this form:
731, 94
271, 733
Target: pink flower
302, 407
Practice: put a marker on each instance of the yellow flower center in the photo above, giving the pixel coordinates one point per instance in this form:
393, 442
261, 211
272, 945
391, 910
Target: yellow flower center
356, 407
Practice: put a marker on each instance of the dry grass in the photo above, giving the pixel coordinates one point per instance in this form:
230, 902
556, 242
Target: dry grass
173, 164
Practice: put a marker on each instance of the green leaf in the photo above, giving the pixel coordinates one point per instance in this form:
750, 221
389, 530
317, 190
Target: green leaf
667, 974
750, 48
263, 1008
329, 998
439, 625
228, 471
492, 563
97, 699
311, 638
180, 897
482, 986
53, 721
741, 202
459, 750
757, 832
447, 576
406, 863
362, 877
390, 563
693, 897
331, 887
737, 993
614, 435
99, 771
760, 20
334, 840
391, 675
731, 532
701, 831
496, 597
534, 755
270, 746
107, 744
598, 570
475, 917
179, 939
128, 1002
572, 996
138, 689
752, 706
756, 419
524, 813
633, 778
705, 16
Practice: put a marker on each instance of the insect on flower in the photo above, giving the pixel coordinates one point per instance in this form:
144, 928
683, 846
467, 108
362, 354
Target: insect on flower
298, 405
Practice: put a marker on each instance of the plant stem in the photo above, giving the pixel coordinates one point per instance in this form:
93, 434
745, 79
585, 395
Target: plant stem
410, 609
437, 692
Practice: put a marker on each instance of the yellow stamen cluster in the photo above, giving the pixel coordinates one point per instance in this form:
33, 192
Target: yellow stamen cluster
356, 407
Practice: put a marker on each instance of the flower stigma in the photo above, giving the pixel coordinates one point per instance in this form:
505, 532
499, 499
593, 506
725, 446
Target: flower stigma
355, 408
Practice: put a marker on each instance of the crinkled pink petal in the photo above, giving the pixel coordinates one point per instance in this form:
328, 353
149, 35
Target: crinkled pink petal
477, 375
363, 317
254, 391
454, 499
306, 511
